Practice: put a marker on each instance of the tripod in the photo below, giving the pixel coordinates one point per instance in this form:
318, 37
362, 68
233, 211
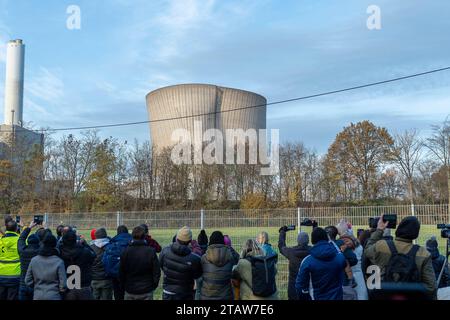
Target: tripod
445, 263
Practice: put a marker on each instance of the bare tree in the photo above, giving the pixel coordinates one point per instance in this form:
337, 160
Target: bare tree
439, 146
406, 154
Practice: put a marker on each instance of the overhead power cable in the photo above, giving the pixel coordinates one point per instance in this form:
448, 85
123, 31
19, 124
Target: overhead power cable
326, 93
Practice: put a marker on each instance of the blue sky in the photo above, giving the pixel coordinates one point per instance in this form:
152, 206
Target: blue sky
280, 49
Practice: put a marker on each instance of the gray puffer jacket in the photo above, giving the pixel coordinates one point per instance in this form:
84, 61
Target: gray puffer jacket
217, 265
47, 275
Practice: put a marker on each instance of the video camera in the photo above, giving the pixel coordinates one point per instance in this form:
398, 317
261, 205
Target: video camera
445, 230
391, 218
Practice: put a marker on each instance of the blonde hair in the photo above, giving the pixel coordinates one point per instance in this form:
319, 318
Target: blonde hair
251, 246
263, 238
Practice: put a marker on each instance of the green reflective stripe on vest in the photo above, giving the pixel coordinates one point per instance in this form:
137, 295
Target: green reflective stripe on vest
9, 256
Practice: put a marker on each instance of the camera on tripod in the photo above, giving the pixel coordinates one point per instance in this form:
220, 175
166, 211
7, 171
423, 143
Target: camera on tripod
445, 230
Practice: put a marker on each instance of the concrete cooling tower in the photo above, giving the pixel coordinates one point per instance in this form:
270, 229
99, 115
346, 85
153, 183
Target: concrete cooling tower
181, 102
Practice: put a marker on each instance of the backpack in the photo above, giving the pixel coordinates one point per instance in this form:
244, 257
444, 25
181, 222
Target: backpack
402, 267
263, 275
111, 258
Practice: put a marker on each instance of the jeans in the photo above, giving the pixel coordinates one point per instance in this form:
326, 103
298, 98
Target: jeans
25, 293
102, 289
9, 292
178, 297
144, 296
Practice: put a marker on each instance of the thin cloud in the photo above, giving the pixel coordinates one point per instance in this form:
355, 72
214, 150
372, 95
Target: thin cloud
46, 86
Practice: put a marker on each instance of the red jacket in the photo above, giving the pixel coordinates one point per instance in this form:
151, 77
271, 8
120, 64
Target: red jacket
153, 243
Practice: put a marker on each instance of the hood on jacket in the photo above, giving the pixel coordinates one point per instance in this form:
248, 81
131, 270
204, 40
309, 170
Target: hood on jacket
218, 254
323, 250
100, 242
135, 243
122, 237
70, 251
33, 240
179, 249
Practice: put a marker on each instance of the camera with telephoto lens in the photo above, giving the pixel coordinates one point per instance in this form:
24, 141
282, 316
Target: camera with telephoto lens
309, 223
391, 218
445, 230
290, 228
287, 228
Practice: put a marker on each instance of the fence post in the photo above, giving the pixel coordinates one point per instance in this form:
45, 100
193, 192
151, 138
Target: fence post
118, 219
413, 213
46, 219
202, 218
298, 219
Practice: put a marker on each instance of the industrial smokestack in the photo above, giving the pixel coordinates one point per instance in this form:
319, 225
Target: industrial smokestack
15, 59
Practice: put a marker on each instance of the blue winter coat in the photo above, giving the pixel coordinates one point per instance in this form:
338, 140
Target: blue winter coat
111, 256
324, 268
267, 249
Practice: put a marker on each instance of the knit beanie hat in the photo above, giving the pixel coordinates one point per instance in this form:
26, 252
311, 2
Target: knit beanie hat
216, 238
227, 240
302, 239
202, 238
184, 234
408, 229
318, 234
93, 234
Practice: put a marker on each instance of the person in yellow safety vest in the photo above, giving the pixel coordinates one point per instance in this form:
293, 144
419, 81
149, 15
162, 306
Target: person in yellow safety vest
9, 263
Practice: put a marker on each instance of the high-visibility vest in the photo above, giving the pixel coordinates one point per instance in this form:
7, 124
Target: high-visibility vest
9, 255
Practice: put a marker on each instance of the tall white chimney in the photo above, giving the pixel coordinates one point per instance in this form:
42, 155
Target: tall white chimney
15, 59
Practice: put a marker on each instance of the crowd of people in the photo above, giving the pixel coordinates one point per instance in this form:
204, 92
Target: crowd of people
41, 265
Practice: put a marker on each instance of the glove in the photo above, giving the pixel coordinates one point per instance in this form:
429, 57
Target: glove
283, 228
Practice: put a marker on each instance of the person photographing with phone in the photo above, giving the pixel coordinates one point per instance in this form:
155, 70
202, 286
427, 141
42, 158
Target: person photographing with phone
295, 256
402, 263
28, 247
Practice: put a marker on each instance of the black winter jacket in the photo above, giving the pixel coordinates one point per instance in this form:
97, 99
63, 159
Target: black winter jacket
26, 253
180, 267
295, 256
217, 265
82, 256
438, 261
98, 269
139, 270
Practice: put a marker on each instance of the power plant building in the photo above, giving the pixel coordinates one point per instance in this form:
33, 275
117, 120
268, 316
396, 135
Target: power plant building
16, 142
182, 103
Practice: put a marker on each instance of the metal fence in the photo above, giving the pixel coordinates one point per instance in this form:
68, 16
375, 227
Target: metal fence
241, 225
